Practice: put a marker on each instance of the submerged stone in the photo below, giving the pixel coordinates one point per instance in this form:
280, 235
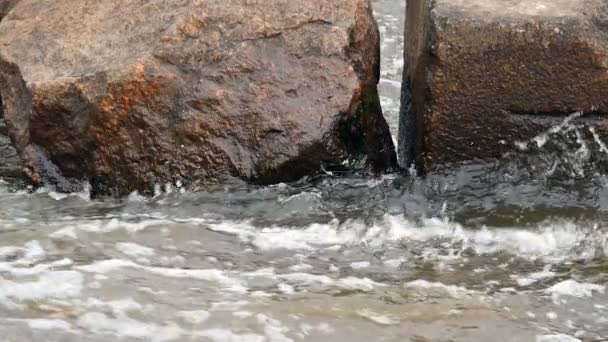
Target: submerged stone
481, 75
127, 95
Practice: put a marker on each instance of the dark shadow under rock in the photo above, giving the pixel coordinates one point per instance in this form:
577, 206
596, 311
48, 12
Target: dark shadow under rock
9, 160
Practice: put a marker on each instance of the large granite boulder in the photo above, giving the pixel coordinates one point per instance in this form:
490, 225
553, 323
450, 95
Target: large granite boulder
127, 94
482, 74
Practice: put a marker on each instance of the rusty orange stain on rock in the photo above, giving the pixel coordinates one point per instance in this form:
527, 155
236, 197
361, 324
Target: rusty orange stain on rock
169, 75
191, 27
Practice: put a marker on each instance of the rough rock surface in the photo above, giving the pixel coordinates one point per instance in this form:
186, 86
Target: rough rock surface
9, 161
128, 94
482, 74
6, 6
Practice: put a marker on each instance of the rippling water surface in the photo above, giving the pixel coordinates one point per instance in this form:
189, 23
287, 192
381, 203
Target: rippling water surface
510, 251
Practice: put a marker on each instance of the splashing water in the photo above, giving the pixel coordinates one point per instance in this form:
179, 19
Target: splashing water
572, 149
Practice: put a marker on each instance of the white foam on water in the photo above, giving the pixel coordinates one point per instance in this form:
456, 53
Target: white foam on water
228, 306
535, 277
59, 284
360, 284
84, 194
115, 224
68, 233
394, 263
360, 265
300, 267
242, 314
308, 238
22, 270
135, 197
172, 261
323, 281
194, 317
119, 308
286, 288
598, 140
542, 138
553, 241
260, 294
303, 196
99, 323
49, 324
107, 266
224, 335
273, 329
134, 250
25, 260
549, 241
319, 281
436, 288
377, 318
556, 338
322, 328
289, 238
42, 323
213, 275
9, 251
392, 83
573, 288
33, 252
307, 279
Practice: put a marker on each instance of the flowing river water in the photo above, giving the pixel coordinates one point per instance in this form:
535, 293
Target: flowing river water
510, 251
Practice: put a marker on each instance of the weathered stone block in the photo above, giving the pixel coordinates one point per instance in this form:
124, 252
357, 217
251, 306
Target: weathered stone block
482, 74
